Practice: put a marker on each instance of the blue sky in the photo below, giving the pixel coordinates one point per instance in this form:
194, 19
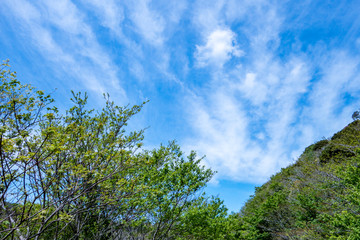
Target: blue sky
247, 83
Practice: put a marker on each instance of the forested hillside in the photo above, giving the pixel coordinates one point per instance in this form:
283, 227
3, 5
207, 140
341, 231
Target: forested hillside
318, 197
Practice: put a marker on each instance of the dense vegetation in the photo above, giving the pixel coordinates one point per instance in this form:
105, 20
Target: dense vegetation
318, 197
81, 175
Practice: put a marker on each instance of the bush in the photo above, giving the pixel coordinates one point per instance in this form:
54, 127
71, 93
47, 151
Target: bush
320, 144
336, 153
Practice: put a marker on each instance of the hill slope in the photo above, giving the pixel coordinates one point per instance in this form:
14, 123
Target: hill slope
318, 197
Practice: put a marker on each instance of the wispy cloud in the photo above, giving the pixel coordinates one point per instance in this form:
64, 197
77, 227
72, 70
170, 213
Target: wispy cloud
338, 84
59, 31
245, 126
143, 28
149, 24
110, 13
208, 16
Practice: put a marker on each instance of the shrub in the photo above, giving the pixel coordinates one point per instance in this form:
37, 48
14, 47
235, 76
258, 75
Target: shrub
320, 144
336, 153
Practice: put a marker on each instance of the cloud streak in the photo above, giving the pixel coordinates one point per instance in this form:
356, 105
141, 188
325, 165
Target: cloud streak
60, 33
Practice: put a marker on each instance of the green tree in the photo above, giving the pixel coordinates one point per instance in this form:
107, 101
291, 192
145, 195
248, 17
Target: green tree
356, 115
206, 219
81, 175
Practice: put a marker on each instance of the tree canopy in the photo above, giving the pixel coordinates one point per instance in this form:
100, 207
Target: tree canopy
82, 175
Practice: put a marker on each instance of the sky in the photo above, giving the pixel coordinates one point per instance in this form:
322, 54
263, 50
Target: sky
247, 83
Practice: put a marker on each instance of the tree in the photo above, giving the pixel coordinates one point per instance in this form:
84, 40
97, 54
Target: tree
206, 219
356, 115
82, 175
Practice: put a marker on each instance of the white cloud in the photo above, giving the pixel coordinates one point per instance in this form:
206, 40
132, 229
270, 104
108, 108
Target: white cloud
110, 13
76, 50
246, 126
208, 15
244, 138
220, 46
149, 24
340, 71
64, 15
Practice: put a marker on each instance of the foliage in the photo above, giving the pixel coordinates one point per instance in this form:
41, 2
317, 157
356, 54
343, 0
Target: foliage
83, 176
320, 144
318, 197
336, 152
